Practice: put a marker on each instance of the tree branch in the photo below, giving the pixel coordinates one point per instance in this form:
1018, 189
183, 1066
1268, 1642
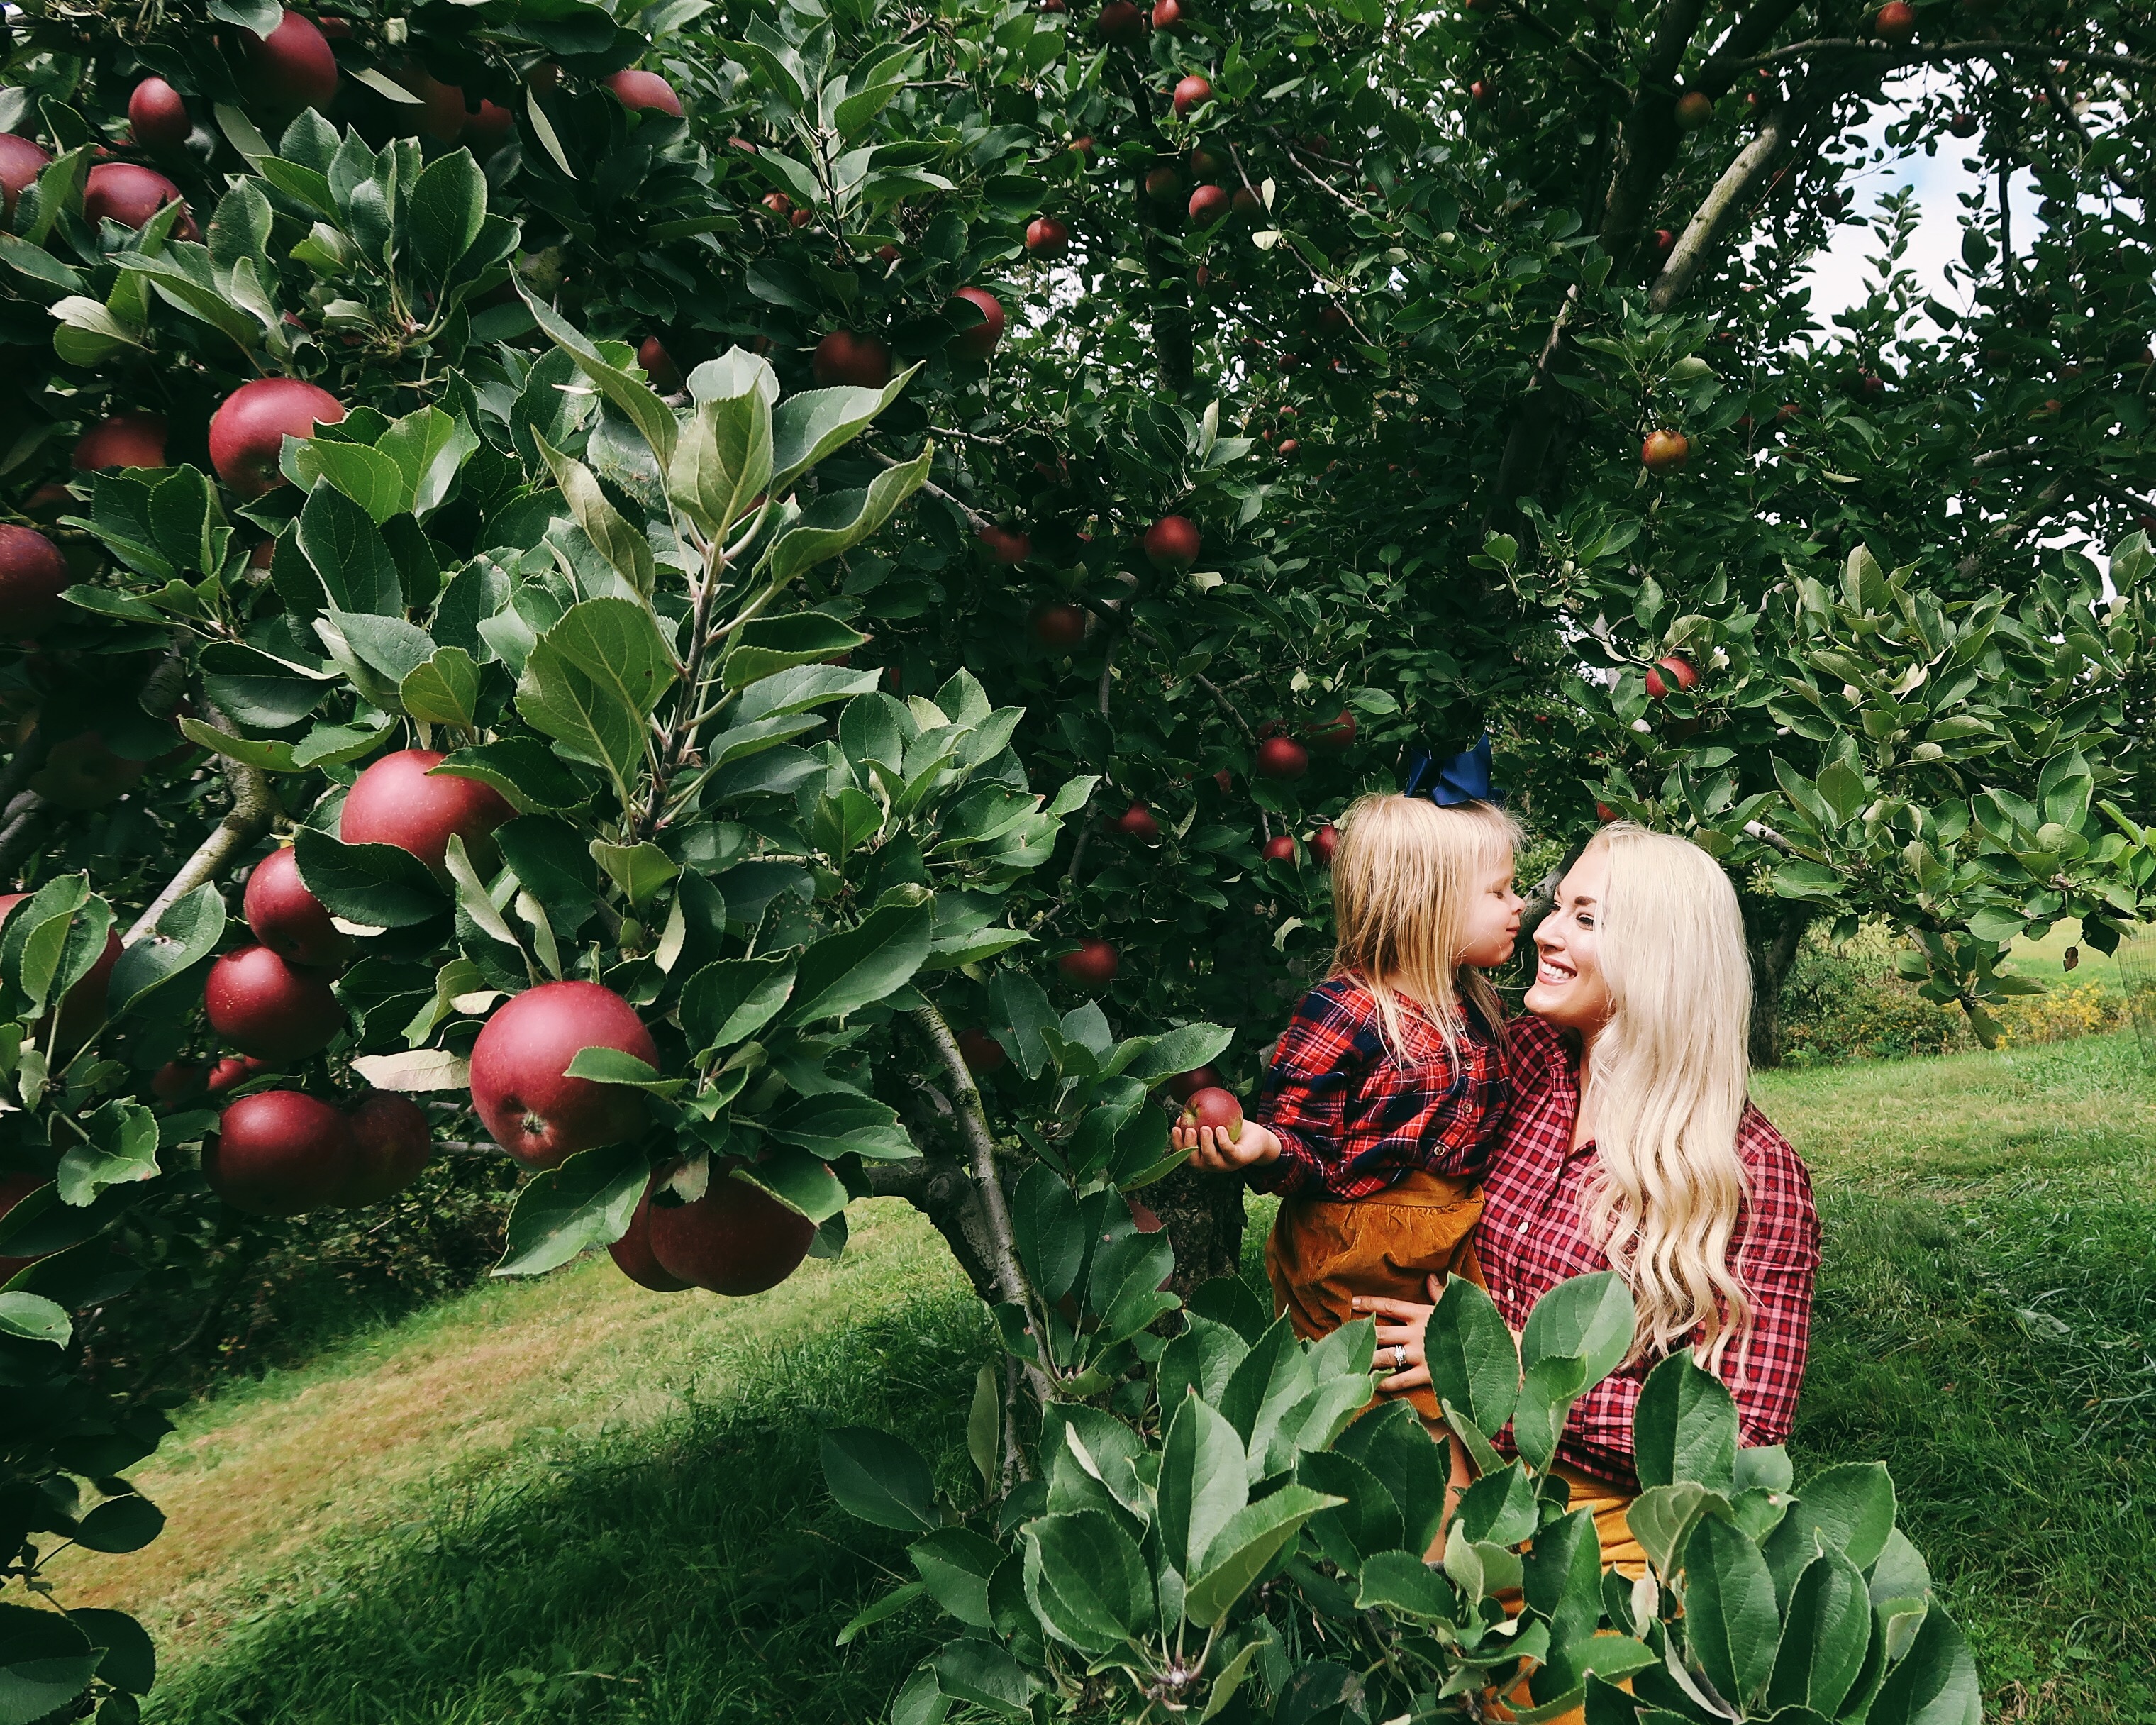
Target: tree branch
16, 836
254, 807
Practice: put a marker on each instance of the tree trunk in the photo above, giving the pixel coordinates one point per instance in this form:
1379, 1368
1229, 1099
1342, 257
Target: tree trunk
1774, 953
1203, 1216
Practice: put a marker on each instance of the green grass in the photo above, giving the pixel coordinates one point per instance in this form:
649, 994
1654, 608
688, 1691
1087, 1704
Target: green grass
571, 1500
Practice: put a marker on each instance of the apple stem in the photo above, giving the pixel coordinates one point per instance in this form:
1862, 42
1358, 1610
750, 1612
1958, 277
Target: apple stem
254, 807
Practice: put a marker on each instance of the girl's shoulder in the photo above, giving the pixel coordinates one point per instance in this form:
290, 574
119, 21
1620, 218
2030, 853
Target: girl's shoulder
1339, 1001
1534, 1045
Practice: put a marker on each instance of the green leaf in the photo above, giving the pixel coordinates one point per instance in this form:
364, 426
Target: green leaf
447, 206
1392, 1443
809, 426
1473, 1362
955, 1564
890, 1605
586, 1201
31, 1317
1661, 1518
444, 690
611, 1065
1085, 1578
1731, 1623
1400, 1581
1243, 1549
799, 690
1684, 1427
1589, 1316
723, 462
839, 1123
186, 932
1848, 1508
119, 1525
346, 552
371, 480
653, 419
641, 869
798, 1180
522, 770
129, 1660
1827, 1632
1936, 1682
837, 523
843, 972
880, 1479
983, 1674
591, 681
429, 447
377, 886
1202, 1484
729, 1001
1183, 1049
1548, 1391
121, 1149
616, 539
767, 645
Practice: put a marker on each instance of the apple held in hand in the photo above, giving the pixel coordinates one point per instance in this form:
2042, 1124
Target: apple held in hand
632, 1252
247, 433
279, 1153
287, 918
736, 1239
263, 1006
391, 1143
1216, 1108
400, 800
519, 1065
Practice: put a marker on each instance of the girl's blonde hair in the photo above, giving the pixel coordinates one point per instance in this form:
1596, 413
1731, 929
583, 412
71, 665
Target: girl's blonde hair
1401, 881
1666, 1089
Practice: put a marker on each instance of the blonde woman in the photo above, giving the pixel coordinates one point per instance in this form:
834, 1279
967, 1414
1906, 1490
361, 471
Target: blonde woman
1384, 1095
1630, 1144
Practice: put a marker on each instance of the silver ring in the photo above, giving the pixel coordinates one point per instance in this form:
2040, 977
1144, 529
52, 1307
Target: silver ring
1400, 1356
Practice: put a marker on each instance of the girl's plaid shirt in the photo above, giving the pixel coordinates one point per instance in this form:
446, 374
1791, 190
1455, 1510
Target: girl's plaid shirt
1530, 1238
1352, 1118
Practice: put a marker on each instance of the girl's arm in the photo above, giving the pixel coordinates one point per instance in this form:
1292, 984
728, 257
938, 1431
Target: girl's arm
1303, 1104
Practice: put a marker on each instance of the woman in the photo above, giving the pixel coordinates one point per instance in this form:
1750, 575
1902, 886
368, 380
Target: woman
1630, 1144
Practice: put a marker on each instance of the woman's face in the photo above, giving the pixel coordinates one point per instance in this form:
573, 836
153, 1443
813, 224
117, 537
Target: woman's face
1569, 987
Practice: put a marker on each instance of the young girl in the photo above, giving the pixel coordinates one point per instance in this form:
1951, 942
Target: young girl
1378, 1111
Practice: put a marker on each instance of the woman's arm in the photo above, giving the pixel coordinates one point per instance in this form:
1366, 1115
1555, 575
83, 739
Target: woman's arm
1779, 1264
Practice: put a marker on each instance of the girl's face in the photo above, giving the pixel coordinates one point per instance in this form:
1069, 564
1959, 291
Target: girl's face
1569, 988
1492, 925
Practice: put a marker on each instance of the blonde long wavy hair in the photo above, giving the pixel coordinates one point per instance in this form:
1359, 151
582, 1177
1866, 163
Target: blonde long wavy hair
1401, 881
1666, 1090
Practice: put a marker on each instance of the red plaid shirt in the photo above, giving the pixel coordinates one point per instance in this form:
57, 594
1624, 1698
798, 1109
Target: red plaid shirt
1530, 1238
1352, 1119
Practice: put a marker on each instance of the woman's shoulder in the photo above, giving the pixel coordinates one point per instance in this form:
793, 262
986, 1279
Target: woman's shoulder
1535, 1045
1779, 1185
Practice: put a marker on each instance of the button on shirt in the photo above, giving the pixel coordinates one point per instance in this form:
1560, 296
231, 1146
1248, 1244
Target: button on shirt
1531, 1238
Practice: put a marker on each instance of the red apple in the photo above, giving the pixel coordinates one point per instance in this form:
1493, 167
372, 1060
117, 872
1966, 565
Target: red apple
632, 1252
1186, 1085
1247, 204
1325, 841
844, 357
981, 1052
1336, 735
176, 1079
1962, 124
658, 367
1666, 240
84, 1010
1005, 545
1695, 109
392, 1142
14, 1189
1137, 822
124, 440
1279, 848
1094, 965
441, 111
1209, 203
1282, 757
1288, 448
280, 1153
978, 340
247, 433
1119, 21
801, 217
1665, 451
1895, 21
158, 114
1191, 92
293, 67
1605, 814
1166, 14
232, 1071
1163, 184
637, 89
287, 918
263, 1006
737, 1239
1172, 542
1047, 238
778, 203
1680, 671
1060, 625
82, 773
1482, 94
889, 253
126, 192
400, 800
1216, 1108
487, 129
21, 161
534, 1112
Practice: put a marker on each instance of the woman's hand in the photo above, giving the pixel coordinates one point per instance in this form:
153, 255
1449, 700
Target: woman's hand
1401, 1324
1213, 1150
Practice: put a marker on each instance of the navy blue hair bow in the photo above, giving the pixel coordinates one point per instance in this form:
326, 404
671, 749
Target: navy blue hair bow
1463, 778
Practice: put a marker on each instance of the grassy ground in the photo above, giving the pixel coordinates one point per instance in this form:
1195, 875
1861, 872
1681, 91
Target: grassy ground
573, 1501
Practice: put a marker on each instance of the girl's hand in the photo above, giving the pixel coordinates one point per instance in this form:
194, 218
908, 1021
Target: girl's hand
1214, 1151
1401, 1324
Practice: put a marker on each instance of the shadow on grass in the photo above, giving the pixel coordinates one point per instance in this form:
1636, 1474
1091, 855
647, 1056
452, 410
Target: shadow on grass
693, 1573
1995, 1357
